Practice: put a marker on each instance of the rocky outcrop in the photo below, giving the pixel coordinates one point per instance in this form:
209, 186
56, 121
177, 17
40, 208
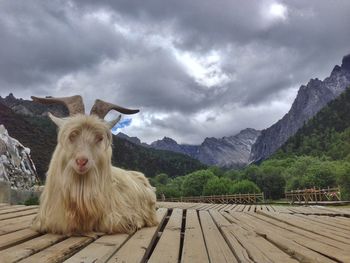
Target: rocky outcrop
16, 165
310, 100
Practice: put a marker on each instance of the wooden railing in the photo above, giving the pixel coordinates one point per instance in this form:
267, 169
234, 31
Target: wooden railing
221, 199
314, 195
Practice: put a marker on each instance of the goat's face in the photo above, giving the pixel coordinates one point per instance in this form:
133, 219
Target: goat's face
85, 142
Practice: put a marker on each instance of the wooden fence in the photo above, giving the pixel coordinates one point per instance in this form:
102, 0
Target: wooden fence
221, 199
314, 195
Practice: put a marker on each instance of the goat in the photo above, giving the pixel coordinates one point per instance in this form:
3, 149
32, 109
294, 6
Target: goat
83, 192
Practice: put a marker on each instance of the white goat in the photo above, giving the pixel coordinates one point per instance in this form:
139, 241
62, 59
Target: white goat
83, 192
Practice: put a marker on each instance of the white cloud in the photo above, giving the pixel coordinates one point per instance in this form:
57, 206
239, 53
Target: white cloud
278, 11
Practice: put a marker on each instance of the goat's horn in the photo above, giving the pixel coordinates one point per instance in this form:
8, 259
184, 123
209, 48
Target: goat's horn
101, 108
74, 104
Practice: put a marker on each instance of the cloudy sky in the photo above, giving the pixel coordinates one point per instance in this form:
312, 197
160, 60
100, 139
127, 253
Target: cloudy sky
194, 68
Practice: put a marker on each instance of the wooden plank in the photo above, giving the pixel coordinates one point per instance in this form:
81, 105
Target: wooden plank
246, 208
309, 240
217, 247
271, 208
59, 251
200, 206
4, 206
104, 247
194, 249
322, 232
324, 222
233, 206
239, 251
139, 245
29, 248
17, 208
226, 207
15, 224
281, 209
278, 238
14, 238
18, 214
170, 235
258, 248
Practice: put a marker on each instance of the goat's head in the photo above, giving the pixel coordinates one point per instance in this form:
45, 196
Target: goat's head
85, 140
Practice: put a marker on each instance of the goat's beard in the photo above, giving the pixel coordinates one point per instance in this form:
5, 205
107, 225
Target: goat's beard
84, 196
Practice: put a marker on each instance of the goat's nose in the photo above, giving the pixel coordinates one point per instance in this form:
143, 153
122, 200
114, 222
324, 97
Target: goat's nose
81, 161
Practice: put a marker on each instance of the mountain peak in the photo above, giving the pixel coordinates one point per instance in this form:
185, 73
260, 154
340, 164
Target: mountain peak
346, 62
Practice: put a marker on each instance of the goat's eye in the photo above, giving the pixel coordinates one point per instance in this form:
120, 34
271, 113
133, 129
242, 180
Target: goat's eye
73, 136
99, 138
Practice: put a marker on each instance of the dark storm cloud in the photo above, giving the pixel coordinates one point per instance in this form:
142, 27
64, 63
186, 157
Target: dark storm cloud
314, 35
41, 40
195, 68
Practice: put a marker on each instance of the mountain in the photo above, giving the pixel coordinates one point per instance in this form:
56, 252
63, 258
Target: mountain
310, 99
228, 152
171, 145
134, 140
39, 134
326, 134
30, 108
16, 165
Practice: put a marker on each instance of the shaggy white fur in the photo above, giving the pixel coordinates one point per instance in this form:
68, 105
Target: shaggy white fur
103, 198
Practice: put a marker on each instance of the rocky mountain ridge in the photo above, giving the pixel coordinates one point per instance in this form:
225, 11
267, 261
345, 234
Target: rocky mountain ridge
228, 152
311, 98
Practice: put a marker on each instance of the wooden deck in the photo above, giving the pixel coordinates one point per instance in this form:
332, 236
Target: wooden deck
191, 232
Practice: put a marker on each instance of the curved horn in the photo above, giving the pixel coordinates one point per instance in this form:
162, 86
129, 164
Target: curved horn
74, 104
101, 108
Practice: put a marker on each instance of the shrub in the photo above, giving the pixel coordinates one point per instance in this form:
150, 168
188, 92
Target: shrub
32, 200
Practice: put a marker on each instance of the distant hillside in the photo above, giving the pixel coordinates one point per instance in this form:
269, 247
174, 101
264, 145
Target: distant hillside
39, 134
326, 134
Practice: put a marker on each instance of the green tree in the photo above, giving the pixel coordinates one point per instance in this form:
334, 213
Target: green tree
217, 186
343, 180
271, 181
167, 191
244, 187
194, 183
161, 178
217, 171
233, 175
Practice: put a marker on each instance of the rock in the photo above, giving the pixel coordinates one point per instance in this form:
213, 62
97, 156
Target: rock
16, 165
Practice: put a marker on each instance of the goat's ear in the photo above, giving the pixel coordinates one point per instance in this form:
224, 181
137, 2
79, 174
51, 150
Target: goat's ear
112, 123
58, 121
